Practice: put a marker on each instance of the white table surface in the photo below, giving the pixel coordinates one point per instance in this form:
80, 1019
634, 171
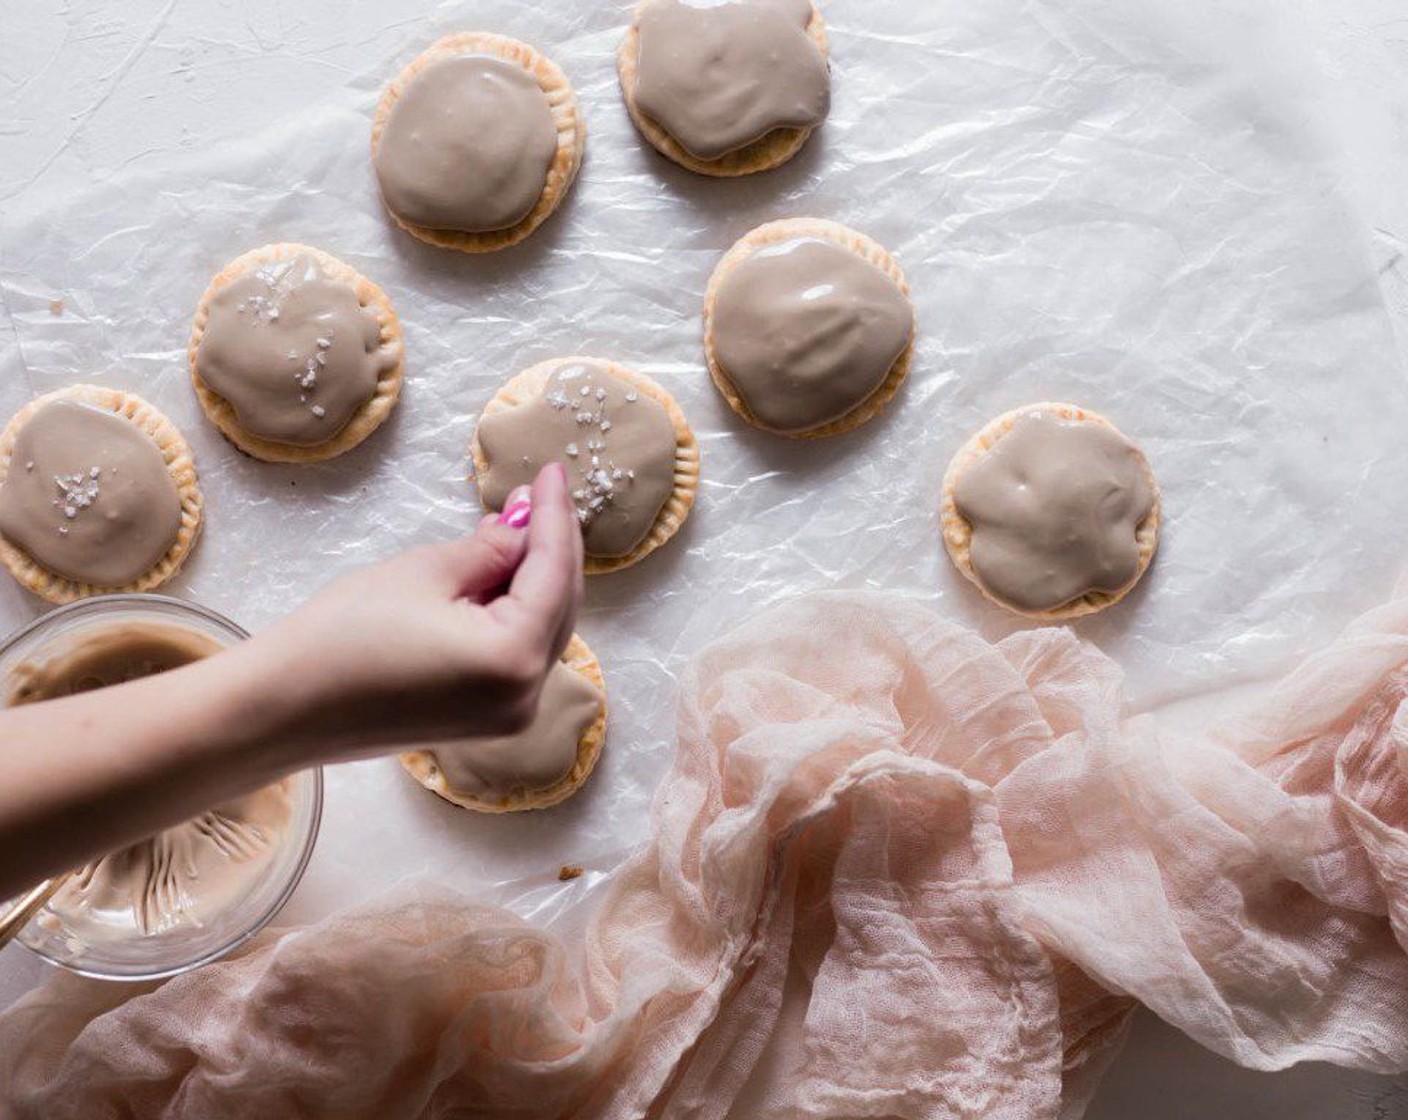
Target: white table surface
81, 82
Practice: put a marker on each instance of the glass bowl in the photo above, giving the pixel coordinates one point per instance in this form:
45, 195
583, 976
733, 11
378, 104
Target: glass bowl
154, 956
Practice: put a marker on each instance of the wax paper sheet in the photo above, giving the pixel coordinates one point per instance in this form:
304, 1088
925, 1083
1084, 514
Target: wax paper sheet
1122, 204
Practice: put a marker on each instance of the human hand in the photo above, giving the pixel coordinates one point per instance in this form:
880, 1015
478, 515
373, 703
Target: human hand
443, 642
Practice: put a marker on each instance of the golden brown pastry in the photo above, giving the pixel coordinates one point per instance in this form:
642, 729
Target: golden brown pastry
1051, 512
98, 493
808, 328
632, 461
295, 356
541, 766
726, 89
476, 142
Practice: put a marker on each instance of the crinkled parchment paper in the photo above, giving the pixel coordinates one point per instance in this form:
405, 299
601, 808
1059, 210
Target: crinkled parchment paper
1094, 201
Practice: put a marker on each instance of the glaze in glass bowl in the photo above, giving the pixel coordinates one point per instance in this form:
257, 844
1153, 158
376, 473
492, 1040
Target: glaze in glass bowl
154, 956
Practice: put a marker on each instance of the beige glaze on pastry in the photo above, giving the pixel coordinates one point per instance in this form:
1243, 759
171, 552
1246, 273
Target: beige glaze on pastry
719, 77
293, 351
728, 88
540, 766
632, 461
808, 327
476, 142
89, 496
1051, 512
98, 492
534, 759
295, 356
468, 146
185, 876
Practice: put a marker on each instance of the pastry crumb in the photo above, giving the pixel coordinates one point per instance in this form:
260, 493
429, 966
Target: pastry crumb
568, 872
56, 306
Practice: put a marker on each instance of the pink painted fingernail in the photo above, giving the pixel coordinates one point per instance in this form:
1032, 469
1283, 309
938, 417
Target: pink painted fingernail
518, 510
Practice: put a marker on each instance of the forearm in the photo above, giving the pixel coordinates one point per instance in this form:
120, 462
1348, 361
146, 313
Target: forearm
86, 775
447, 641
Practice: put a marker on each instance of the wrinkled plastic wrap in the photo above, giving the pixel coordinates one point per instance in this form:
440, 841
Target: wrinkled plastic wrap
1104, 203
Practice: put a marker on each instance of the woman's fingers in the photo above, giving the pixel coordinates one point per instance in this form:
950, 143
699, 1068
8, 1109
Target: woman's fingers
546, 589
480, 566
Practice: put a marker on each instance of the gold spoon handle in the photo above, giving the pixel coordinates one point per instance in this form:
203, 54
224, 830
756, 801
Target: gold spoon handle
18, 916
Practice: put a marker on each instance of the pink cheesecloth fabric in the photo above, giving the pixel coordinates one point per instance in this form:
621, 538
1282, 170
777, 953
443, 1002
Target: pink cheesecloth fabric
928, 874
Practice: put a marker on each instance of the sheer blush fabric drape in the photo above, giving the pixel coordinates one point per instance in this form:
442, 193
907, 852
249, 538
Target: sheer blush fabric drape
895, 871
